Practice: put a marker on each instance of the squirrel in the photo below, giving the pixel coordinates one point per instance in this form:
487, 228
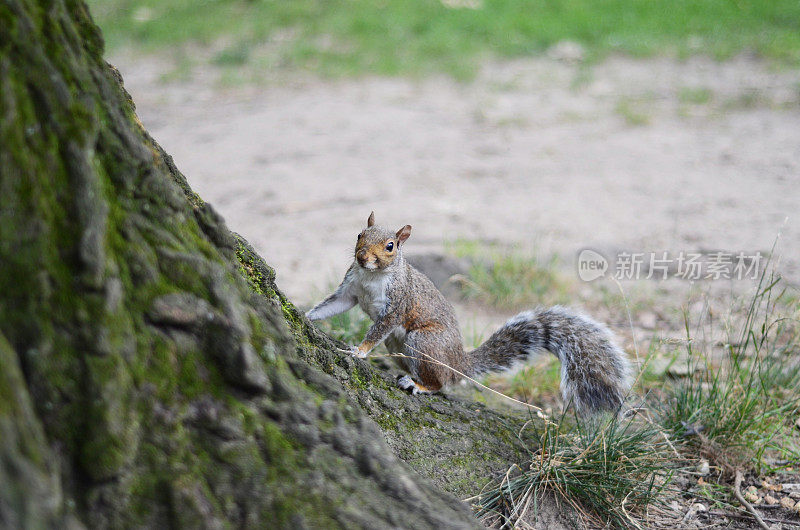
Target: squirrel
417, 322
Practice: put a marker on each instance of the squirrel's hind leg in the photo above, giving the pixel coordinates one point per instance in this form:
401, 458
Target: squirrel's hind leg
426, 375
404, 382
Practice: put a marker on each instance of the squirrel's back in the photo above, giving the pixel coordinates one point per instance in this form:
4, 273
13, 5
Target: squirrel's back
425, 303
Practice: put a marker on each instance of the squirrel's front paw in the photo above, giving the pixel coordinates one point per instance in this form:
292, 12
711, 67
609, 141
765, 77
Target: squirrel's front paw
355, 351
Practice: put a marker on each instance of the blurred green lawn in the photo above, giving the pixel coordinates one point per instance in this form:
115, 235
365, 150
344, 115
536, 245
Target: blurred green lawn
344, 37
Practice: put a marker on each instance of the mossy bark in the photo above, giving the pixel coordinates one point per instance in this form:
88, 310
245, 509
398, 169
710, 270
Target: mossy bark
152, 372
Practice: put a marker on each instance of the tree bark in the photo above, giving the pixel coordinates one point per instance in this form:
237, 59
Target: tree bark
152, 372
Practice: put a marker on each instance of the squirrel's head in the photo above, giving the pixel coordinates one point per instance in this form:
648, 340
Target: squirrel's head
376, 247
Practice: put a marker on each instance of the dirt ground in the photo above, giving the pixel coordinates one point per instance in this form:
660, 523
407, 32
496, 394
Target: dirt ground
543, 154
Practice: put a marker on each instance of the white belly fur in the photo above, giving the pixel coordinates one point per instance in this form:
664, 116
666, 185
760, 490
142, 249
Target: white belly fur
371, 290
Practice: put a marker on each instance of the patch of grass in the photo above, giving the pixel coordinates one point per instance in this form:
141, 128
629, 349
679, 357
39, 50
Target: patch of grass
746, 100
636, 299
608, 471
181, 70
695, 95
341, 37
633, 111
654, 367
735, 410
509, 279
232, 56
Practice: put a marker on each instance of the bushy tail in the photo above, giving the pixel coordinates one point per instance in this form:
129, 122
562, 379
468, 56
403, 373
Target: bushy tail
595, 374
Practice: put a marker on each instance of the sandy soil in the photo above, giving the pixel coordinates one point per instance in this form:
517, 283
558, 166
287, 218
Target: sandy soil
542, 153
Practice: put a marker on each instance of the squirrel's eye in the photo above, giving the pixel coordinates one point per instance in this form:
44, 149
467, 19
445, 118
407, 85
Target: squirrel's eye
389, 246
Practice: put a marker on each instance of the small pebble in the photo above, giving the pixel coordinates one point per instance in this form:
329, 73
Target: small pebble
769, 499
751, 495
699, 507
703, 468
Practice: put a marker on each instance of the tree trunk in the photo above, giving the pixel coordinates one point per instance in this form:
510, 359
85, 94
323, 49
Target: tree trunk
152, 374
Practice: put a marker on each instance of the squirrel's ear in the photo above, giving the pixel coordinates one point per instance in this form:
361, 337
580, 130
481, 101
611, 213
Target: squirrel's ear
371, 219
403, 234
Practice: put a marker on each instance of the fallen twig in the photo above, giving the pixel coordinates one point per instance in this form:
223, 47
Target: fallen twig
734, 515
737, 490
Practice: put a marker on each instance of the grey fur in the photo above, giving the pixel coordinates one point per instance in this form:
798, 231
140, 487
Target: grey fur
416, 321
595, 374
